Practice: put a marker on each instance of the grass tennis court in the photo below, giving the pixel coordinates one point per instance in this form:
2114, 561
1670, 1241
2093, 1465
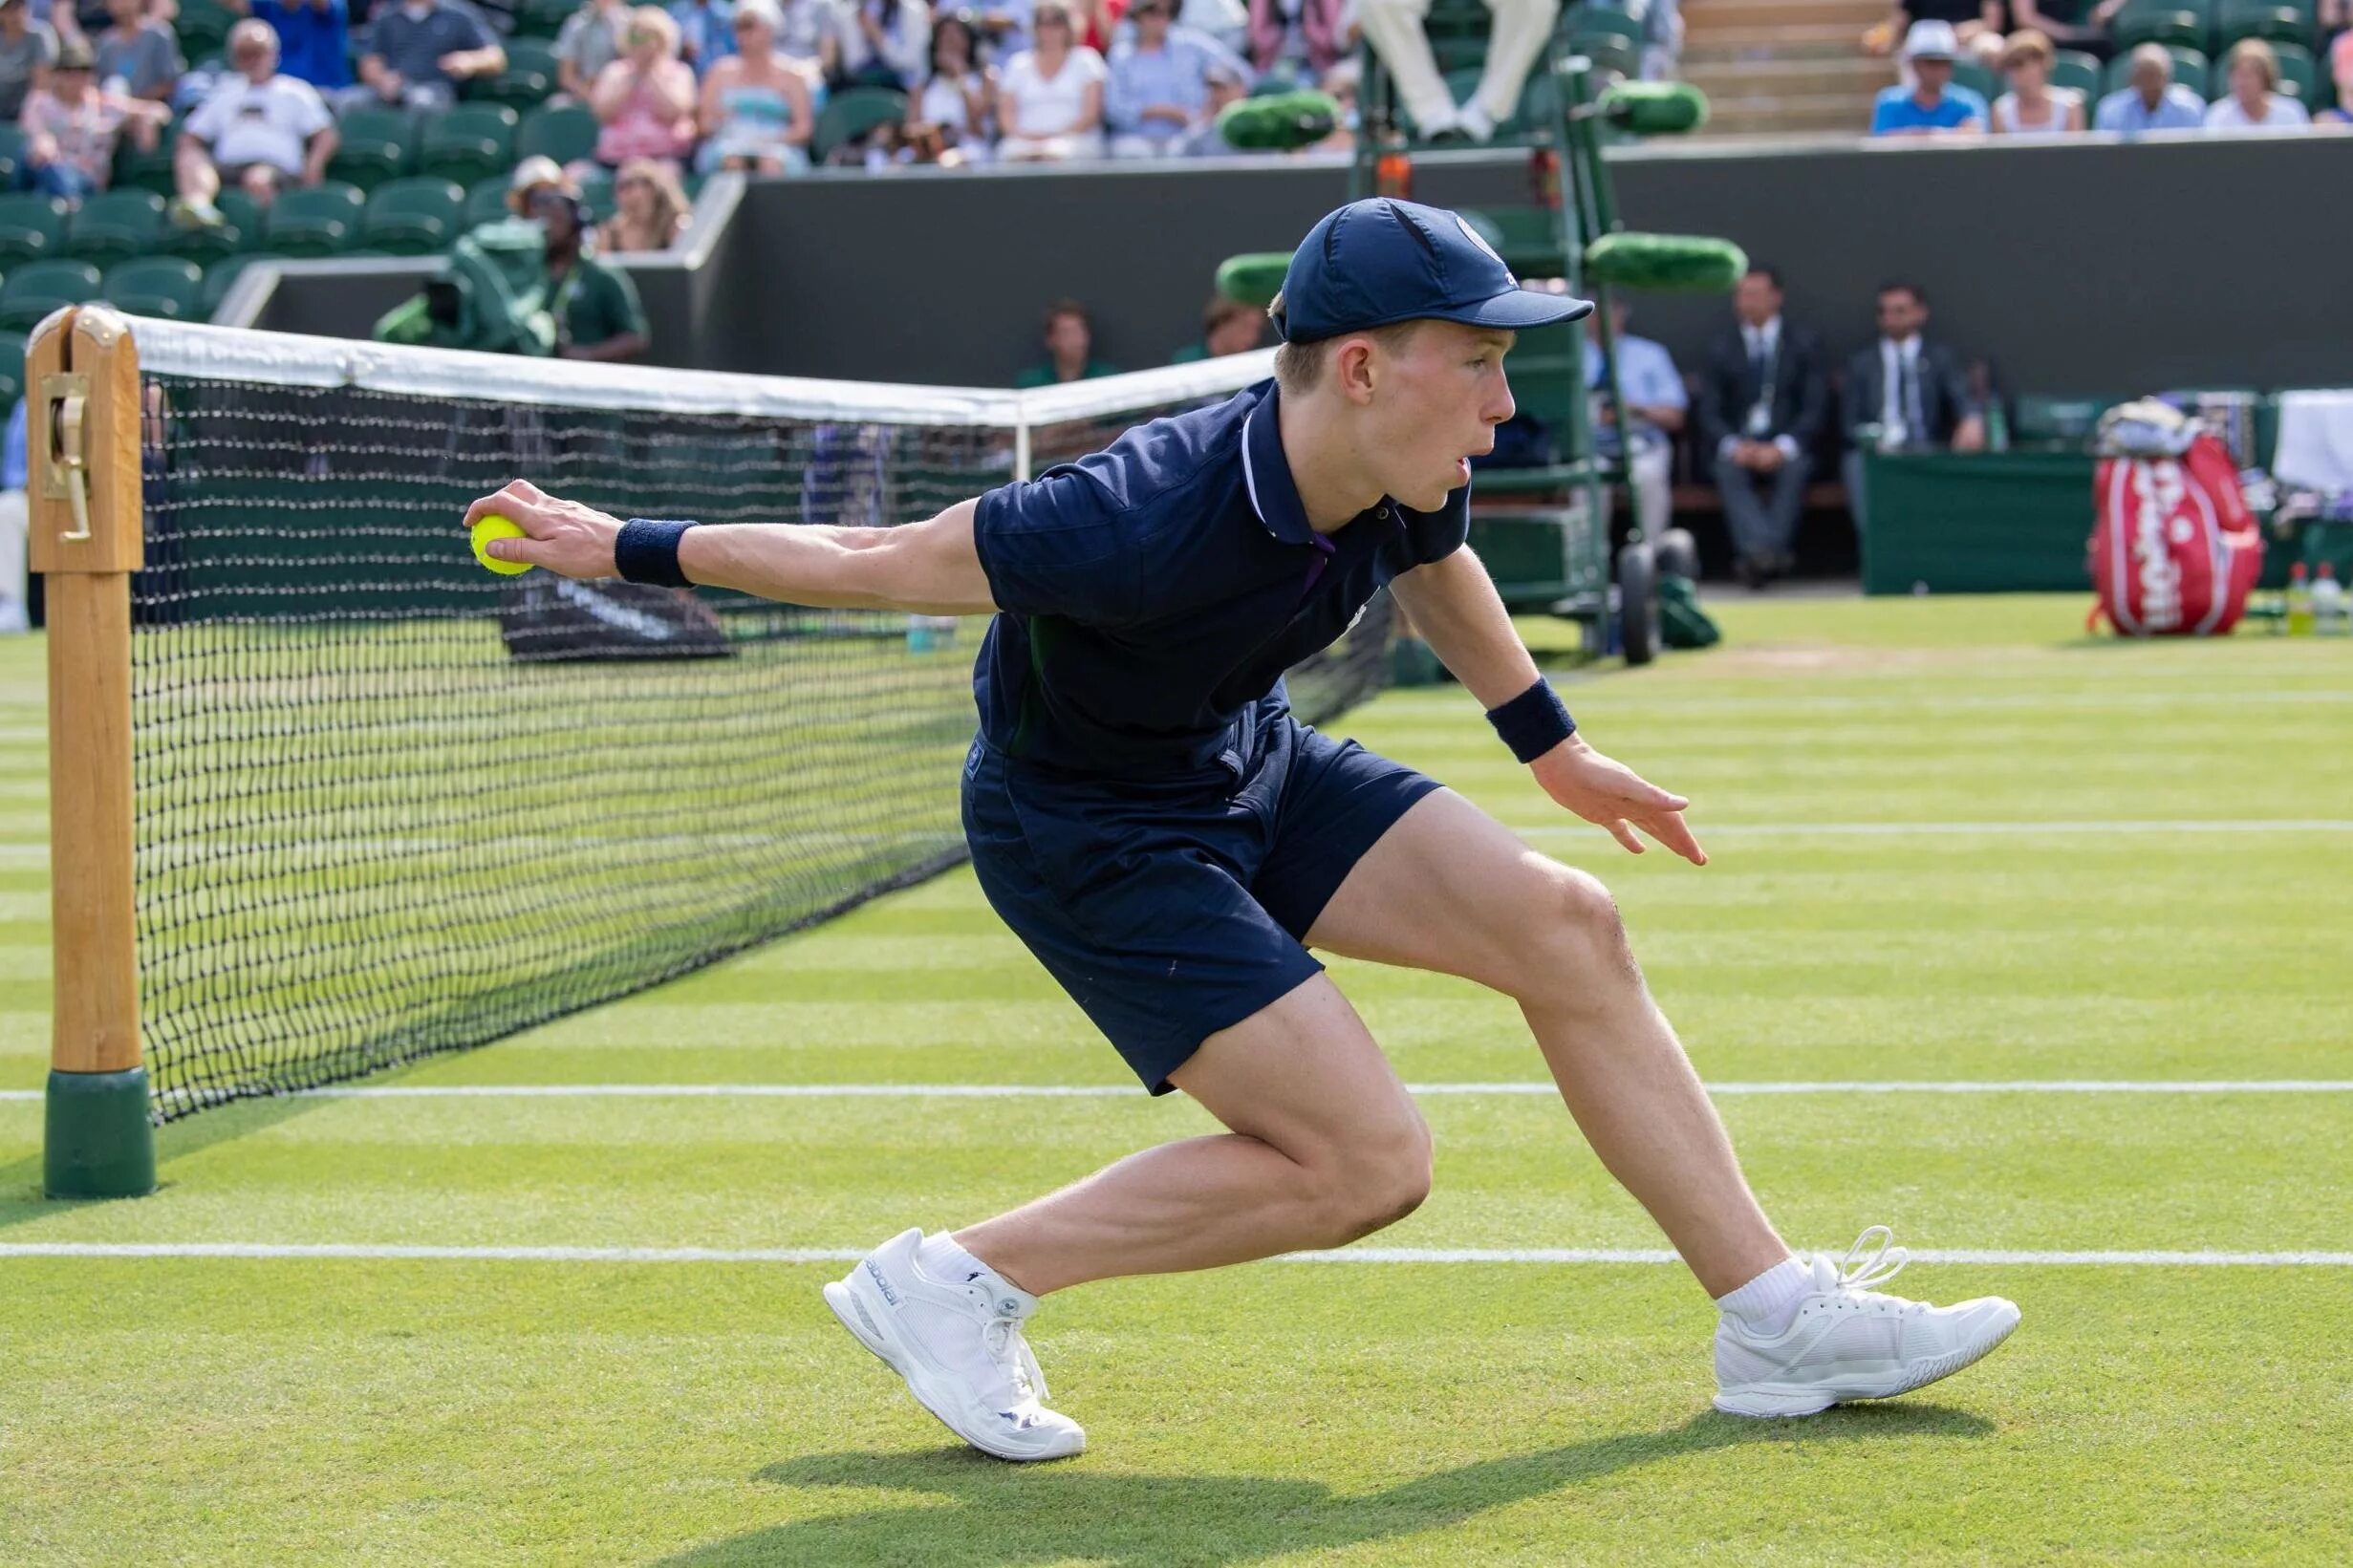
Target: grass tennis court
1869, 776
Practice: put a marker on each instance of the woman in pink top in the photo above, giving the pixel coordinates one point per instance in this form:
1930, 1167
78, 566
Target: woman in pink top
645, 101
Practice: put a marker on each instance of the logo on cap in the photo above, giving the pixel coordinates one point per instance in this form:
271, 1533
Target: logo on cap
1473, 235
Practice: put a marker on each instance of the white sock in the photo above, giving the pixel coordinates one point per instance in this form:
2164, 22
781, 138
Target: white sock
941, 1258
1766, 1304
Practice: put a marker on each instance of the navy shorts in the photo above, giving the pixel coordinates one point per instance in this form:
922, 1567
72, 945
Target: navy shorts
1173, 909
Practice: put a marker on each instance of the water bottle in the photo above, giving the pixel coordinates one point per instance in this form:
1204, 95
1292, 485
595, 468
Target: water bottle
2299, 602
926, 634
2329, 609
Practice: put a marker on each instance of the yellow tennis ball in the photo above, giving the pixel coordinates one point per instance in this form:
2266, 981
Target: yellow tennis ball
495, 526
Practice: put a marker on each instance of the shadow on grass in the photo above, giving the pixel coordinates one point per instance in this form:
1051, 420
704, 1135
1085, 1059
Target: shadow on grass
1012, 1514
21, 1200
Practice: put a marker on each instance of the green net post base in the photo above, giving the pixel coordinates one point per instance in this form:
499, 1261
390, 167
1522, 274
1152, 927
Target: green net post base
100, 1141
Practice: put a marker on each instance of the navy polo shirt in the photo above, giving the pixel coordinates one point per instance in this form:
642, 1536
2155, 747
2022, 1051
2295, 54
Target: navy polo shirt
1152, 595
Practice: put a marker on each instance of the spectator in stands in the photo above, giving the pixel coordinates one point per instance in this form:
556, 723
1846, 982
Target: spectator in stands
645, 101
1051, 99
651, 210
1976, 24
1932, 104
420, 50
1522, 29
1904, 393
2032, 106
26, 50
590, 39
1656, 402
1226, 21
2069, 24
1158, 87
1205, 141
1340, 84
1662, 40
1760, 405
2255, 101
2340, 65
1228, 326
886, 43
314, 40
257, 128
596, 306
2154, 101
136, 56
757, 112
947, 122
71, 125
707, 31
1300, 38
1069, 346
815, 31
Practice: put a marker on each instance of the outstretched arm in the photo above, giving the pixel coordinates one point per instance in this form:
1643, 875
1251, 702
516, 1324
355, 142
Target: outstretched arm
1454, 606
929, 568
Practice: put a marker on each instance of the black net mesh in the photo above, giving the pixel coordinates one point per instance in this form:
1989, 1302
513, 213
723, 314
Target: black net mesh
389, 805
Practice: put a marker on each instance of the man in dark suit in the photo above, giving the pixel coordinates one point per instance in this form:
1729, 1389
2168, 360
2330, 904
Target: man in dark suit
1904, 393
1760, 409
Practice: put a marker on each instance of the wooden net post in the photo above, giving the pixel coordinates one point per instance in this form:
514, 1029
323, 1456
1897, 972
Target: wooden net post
83, 408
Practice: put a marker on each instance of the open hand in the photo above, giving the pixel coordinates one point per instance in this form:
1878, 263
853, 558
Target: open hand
567, 538
1612, 795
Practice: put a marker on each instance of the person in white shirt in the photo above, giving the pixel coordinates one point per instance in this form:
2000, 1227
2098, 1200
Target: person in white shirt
1656, 401
2256, 102
2032, 106
256, 127
1051, 99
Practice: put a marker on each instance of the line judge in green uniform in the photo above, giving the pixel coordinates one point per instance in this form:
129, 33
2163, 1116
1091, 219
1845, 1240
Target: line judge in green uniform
596, 309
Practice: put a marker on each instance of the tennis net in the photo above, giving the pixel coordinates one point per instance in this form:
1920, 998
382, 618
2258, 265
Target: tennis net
388, 805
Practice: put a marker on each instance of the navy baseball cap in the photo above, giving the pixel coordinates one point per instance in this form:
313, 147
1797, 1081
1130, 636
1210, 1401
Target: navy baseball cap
1381, 261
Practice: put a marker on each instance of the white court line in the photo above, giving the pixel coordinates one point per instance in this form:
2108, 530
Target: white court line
1107, 1092
1975, 830
395, 1252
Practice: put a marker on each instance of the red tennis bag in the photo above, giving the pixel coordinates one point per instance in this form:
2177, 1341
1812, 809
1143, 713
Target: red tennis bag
2175, 551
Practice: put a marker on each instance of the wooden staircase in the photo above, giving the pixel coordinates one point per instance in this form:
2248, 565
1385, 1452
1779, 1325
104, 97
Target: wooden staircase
1783, 67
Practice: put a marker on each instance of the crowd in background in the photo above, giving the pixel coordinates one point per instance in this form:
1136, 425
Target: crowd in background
2251, 90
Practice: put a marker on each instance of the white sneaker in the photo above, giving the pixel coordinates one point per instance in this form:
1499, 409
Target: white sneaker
958, 1344
1847, 1342
1472, 121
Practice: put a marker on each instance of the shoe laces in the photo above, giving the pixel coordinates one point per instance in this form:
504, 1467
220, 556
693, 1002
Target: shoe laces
1010, 1353
1867, 1265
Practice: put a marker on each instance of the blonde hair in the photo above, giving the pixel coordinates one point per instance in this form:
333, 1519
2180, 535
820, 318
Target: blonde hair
2028, 44
2263, 55
670, 204
654, 19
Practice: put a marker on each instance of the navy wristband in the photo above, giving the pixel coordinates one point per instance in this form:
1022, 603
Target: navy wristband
1533, 723
647, 551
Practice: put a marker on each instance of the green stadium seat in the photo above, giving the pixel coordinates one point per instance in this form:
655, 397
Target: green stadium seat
851, 112
203, 27
11, 152
322, 221
158, 285
487, 202
1977, 78
543, 18
375, 145
566, 132
2189, 23
39, 288
221, 275
2300, 73
2047, 421
136, 170
1611, 40
2077, 72
2281, 21
31, 227
2190, 68
414, 217
468, 143
596, 194
11, 367
530, 76
114, 226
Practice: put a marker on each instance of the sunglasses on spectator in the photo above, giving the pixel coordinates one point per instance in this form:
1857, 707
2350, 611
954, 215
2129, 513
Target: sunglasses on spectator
635, 182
